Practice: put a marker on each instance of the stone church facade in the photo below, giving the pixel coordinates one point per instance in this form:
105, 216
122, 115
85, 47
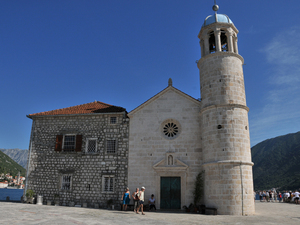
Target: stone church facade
162, 144
165, 152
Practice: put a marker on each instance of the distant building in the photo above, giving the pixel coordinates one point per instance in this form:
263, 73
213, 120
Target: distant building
3, 184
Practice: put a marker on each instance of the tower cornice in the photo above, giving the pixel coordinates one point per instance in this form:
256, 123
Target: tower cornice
228, 162
220, 54
224, 106
218, 25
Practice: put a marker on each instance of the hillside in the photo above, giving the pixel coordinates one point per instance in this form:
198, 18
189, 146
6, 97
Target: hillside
7, 165
18, 155
277, 163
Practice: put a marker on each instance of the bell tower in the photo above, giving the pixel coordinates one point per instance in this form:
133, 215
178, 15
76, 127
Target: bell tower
224, 119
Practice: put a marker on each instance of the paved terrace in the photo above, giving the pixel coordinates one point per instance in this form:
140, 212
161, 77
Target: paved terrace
17, 213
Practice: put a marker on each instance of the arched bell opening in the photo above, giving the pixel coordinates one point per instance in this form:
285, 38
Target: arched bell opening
224, 42
212, 42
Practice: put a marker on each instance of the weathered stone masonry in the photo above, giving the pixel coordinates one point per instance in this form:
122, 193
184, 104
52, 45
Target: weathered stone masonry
47, 166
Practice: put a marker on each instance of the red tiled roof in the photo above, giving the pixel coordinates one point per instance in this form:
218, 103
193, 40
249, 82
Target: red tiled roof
88, 108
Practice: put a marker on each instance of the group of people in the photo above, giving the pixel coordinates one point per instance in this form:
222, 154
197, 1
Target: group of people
291, 196
272, 195
138, 199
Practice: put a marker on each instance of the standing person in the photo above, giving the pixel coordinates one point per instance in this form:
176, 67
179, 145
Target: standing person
280, 196
275, 194
285, 196
297, 194
142, 200
260, 195
267, 196
264, 195
290, 196
272, 196
136, 199
125, 199
152, 202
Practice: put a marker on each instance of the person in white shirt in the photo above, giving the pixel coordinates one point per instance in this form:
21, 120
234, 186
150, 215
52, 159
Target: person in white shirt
152, 202
296, 194
142, 200
286, 195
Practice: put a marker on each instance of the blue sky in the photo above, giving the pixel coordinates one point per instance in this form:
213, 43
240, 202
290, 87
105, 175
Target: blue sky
56, 54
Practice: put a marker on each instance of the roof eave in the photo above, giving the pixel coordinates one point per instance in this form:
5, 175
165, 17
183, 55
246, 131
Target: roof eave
83, 114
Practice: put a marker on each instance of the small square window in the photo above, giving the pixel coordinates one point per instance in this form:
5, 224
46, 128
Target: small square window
111, 146
66, 182
113, 120
69, 143
108, 183
91, 146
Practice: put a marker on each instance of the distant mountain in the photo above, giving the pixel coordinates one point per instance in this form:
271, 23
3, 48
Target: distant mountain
7, 165
18, 155
277, 163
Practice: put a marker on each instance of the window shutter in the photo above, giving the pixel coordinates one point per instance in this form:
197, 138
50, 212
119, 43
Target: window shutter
78, 143
58, 144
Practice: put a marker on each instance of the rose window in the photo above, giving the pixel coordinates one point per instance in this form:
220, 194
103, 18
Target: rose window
170, 129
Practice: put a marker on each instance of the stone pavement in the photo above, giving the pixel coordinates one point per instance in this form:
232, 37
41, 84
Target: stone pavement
18, 213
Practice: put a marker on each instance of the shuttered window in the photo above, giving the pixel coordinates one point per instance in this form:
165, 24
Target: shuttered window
78, 143
58, 144
68, 143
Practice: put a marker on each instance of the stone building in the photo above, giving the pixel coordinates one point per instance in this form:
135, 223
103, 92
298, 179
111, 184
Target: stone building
169, 139
79, 153
174, 136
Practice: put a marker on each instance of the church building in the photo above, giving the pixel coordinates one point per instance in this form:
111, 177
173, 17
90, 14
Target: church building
94, 151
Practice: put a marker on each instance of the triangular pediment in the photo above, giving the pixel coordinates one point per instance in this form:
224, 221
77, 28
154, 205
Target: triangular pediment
177, 166
167, 89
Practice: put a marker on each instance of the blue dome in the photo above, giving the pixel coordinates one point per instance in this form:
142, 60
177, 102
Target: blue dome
216, 18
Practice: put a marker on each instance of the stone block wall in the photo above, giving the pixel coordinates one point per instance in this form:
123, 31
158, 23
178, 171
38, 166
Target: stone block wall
222, 79
47, 166
150, 149
229, 188
225, 134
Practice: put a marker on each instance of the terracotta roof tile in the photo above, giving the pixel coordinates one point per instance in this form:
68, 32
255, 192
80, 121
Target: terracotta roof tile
88, 108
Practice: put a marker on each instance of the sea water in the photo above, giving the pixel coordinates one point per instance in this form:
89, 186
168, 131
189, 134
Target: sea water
14, 194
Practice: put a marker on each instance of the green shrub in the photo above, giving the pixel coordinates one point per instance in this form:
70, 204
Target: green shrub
29, 193
199, 188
